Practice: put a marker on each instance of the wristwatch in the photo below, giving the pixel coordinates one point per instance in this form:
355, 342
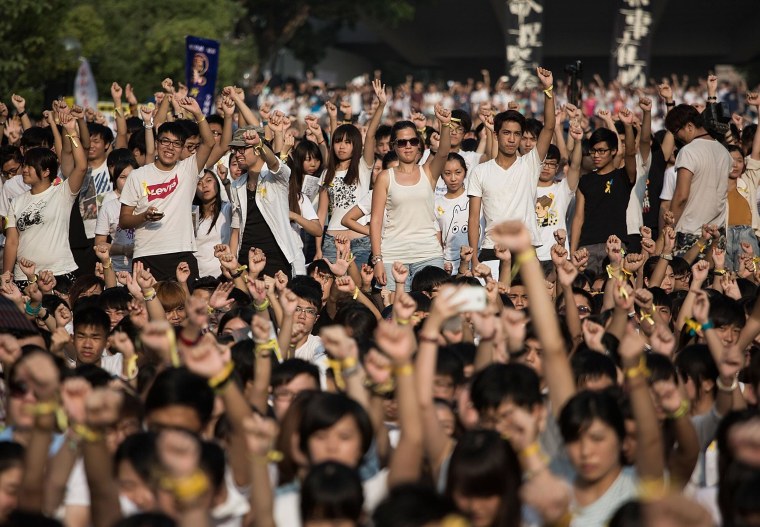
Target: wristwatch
377, 258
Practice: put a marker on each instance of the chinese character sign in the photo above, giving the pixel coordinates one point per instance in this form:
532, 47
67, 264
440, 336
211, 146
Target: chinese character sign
201, 62
629, 60
85, 91
525, 28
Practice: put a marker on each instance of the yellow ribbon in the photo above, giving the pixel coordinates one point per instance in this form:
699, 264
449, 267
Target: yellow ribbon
145, 188
270, 345
337, 367
693, 326
173, 347
523, 257
623, 292
647, 316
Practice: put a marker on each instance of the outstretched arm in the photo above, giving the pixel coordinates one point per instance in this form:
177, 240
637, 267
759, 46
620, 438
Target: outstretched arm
545, 137
374, 123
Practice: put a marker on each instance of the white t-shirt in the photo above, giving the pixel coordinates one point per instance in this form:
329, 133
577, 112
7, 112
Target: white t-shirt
172, 193
551, 210
507, 194
42, 221
308, 212
112, 363
343, 197
96, 186
471, 160
108, 225
668, 184
634, 214
710, 164
597, 514
452, 216
208, 264
15, 186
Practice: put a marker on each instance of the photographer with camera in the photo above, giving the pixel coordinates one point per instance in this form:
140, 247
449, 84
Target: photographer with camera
702, 167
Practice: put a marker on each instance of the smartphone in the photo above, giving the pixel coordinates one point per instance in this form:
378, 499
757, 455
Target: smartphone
471, 298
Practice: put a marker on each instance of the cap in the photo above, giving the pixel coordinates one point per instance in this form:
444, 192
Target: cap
12, 318
237, 137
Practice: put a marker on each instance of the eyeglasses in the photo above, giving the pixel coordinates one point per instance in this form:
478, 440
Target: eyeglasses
192, 147
309, 311
236, 149
414, 141
11, 172
600, 151
168, 142
550, 164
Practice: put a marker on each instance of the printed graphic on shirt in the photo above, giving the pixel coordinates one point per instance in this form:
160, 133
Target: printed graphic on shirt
342, 196
546, 213
161, 190
31, 216
459, 220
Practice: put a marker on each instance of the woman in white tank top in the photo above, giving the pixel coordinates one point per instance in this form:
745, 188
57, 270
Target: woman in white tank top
406, 193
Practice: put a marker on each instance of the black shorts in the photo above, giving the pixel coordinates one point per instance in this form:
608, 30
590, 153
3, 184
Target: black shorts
164, 266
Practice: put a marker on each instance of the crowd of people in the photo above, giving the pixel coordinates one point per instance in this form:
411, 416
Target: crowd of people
383, 307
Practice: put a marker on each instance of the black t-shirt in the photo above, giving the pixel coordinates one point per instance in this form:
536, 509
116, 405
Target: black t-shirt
258, 234
655, 182
606, 200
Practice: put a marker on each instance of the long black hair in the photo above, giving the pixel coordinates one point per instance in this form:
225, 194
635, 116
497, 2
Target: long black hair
350, 132
216, 205
300, 153
117, 161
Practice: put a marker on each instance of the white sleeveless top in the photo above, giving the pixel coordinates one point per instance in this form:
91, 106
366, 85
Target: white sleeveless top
409, 235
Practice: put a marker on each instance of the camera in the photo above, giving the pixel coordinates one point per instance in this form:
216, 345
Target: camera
574, 82
717, 117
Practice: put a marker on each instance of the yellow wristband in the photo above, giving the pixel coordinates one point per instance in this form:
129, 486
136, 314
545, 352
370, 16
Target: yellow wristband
356, 293
222, 377
263, 306
86, 433
404, 370
683, 409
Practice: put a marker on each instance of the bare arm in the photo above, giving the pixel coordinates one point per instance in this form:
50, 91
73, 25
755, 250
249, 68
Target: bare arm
118, 112
351, 221
473, 227
374, 122
578, 219
681, 194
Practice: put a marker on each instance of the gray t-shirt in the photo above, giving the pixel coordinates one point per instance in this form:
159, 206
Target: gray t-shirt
710, 163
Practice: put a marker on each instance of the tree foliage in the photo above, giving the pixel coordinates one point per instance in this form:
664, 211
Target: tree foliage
131, 41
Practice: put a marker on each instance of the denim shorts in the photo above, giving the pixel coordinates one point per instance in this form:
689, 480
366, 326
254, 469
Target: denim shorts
360, 248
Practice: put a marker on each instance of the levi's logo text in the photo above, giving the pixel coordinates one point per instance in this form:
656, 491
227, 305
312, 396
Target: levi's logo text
161, 190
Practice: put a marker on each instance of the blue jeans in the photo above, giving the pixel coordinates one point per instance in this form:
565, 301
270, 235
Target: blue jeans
360, 247
414, 268
735, 235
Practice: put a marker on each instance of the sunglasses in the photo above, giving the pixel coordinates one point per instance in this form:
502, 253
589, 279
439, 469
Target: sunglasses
414, 141
18, 388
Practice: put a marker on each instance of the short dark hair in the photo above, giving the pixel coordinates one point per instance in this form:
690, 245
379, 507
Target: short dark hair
324, 409
92, 316
10, 153
289, 369
41, 159
499, 383
118, 160
510, 115
533, 127
449, 363
137, 142
174, 128
180, 386
215, 119
620, 128
191, 127
102, 131
412, 505
36, 136
331, 491
464, 119
604, 135
114, 298
586, 406
588, 364
553, 153
11, 455
382, 131
682, 115
307, 291
428, 278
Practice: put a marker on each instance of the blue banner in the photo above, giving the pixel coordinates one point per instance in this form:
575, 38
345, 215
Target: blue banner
201, 64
